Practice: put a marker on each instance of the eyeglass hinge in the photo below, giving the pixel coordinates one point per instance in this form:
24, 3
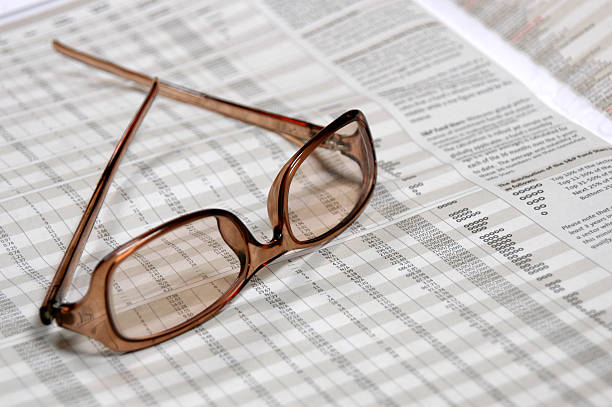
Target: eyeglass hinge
335, 144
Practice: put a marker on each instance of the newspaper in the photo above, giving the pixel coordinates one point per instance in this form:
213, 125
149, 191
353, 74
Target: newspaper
479, 273
572, 42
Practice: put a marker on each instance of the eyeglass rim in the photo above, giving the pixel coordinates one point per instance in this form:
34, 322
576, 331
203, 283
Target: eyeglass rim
369, 175
92, 316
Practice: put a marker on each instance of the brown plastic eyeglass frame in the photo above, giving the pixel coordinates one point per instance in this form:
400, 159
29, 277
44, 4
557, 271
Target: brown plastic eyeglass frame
90, 315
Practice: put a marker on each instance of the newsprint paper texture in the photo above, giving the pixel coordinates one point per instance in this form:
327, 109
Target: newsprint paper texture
479, 274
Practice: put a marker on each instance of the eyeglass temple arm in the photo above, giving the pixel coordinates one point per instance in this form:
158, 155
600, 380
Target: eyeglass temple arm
65, 271
296, 131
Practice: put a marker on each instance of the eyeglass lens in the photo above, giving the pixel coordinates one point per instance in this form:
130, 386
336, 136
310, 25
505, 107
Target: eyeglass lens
171, 279
326, 187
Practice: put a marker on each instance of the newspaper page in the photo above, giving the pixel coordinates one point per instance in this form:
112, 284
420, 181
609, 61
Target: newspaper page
572, 40
479, 273
551, 90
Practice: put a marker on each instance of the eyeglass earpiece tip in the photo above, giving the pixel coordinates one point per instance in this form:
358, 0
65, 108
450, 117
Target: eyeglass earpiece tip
46, 314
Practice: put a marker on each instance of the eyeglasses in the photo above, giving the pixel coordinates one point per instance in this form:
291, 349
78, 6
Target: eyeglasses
181, 273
